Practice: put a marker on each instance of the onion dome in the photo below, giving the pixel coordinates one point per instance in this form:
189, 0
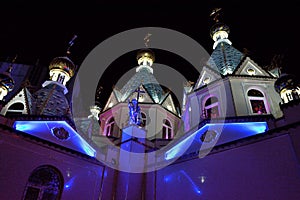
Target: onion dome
6, 80
64, 64
219, 31
287, 82
145, 57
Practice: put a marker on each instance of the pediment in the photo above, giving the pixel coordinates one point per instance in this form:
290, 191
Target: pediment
250, 68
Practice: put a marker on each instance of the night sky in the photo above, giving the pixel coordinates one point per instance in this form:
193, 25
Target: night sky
41, 30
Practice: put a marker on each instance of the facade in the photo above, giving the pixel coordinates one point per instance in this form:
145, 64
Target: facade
235, 137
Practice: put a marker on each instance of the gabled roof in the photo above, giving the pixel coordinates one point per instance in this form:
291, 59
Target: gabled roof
209, 73
147, 79
225, 58
248, 64
168, 104
51, 101
112, 100
22, 96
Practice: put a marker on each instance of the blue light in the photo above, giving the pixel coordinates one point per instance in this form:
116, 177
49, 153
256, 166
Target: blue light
195, 187
179, 148
169, 178
69, 184
227, 132
42, 129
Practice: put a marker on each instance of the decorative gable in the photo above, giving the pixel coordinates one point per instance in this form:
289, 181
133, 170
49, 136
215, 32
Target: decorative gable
111, 101
250, 68
21, 103
207, 76
168, 103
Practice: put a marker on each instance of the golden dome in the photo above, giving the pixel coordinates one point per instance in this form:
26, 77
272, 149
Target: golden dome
145, 54
219, 27
63, 63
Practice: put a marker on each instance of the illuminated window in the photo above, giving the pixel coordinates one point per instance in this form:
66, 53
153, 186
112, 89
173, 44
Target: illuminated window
211, 108
167, 131
16, 108
257, 101
251, 71
206, 80
44, 183
110, 126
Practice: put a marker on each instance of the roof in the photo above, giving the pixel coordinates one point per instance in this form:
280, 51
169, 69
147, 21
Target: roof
147, 79
225, 58
51, 101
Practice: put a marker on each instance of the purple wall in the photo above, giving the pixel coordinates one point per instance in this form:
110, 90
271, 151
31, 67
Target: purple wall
267, 169
19, 157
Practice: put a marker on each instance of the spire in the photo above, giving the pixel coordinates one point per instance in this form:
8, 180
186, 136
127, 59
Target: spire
219, 31
145, 57
70, 44
225, 58
62, 68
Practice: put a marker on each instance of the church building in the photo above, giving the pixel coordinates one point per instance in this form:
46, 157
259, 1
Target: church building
236, 135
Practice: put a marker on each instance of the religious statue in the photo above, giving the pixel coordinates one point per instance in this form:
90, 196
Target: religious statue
134, 112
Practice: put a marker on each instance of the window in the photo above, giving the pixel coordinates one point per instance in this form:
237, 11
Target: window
251, 71
257, 101
44, 183
16, 108
144, 119
110, 126
206, 80
61, 79
167, 132
211, 108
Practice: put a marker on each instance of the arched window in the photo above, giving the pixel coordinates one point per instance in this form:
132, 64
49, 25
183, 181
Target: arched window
211, 108
110, 125
144, 119
44, 183
167, 131
16, 108
257, 101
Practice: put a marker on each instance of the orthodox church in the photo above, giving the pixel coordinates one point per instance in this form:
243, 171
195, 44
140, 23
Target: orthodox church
236, 135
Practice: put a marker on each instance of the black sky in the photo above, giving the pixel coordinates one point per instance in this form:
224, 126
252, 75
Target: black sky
41, 30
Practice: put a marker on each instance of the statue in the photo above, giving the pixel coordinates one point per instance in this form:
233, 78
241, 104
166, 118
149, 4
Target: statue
134, 112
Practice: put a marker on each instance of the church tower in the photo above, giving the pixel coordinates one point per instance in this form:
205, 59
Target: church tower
230, 85
51, 99
158, 115
288, 87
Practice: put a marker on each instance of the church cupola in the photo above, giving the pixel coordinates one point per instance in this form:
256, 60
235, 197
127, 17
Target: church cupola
61, 69
225, 58
219, 31
6, 82
51, 99
288, 88
145, 58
